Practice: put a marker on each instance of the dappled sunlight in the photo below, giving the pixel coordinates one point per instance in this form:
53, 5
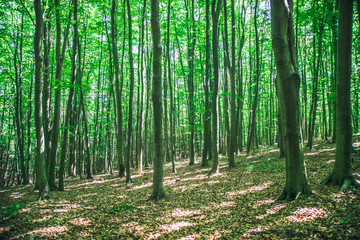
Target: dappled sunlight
330, 161
179, 212
44, 218
91, 182
134, 229
327, 150
47, 232
215, 206
306, 214
249, 233
190, 237
86, 195
273, 210
168, 228
233, 195
80, 222
24, 210
192, 186
4, 229
263, 202
16, 195
311, 153
140, 187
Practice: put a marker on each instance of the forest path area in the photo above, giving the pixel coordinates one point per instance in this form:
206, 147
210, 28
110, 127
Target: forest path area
233, 204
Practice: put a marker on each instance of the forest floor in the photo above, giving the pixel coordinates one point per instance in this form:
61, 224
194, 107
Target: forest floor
234, 204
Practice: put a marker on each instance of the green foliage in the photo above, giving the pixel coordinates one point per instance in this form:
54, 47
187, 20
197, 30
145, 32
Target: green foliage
123, 207
10, 210
266, 166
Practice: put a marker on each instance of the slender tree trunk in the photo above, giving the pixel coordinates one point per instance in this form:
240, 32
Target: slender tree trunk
19, 103
342, 171
251, 136
118, 89
69, 106
130, 119
158, 176
215, 10
44, 190
206, 156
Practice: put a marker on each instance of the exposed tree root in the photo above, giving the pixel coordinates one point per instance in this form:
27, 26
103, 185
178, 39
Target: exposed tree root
344, 183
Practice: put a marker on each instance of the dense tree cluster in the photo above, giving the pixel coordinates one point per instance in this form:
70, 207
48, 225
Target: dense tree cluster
93, 86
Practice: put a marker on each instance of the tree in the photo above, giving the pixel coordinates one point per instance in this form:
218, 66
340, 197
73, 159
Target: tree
207, 118
44, 190
118, 90
215, 11
130, 120
158, 176
288, 95
342, 171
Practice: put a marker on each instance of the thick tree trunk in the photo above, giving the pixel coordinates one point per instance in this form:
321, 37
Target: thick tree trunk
342, 171
288, 93
158, 176
44, 190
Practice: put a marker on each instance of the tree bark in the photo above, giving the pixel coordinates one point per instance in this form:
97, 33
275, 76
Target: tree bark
342, 171
158, 176
215, 10
118, 90
44, 190
288, 89
69, 106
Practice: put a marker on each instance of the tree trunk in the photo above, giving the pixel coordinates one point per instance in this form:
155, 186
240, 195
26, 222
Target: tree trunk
44, 190
118, 90
206, 156
215, 10
288, 89
69, 106
251, 136
130, 119
158, 176
342, 171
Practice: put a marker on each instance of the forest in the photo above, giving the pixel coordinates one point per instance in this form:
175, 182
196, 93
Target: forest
183, 119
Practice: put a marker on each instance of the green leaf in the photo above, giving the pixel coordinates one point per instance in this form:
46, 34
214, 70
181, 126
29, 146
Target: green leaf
123, 207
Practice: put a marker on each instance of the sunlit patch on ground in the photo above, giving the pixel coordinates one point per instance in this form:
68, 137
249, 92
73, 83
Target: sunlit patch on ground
49, 231
339, 196
4, 229
140, 187
87, 195
195, 185
24, 210
16, 195
249, 233
80, 221
330, 161
263, 202
44, 218
175, 226
273, 210
307, 214
190, 237
134, 228
233, 195
178, 212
